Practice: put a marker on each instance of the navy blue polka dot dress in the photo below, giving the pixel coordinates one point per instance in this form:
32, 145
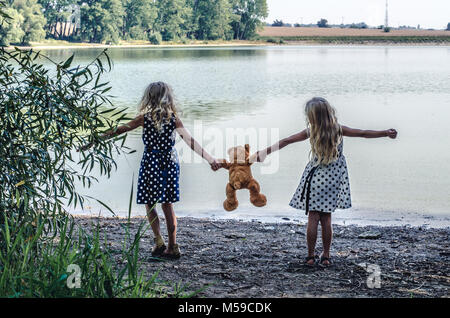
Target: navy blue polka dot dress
159, 174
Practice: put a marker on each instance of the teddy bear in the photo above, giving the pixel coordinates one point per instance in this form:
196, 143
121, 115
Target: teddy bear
240, 177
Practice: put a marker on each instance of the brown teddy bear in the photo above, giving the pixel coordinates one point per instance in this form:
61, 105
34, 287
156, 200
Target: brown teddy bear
240, 177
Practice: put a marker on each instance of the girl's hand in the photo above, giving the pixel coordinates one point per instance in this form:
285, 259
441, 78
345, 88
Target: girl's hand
253, 158
391, 133
215, 165
258, 156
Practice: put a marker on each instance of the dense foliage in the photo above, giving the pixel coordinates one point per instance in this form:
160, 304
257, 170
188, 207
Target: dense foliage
109, 21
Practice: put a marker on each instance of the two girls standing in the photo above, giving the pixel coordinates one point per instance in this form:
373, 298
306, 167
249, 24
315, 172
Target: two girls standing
324, 186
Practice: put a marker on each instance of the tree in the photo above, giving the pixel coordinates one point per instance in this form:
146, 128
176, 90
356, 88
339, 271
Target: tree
139, 19
448, 26
29, 19
173, 19
278, 23
10, 30
247, 18
112, 20
47, 111
212, 19
45, 115
322, 23
56, 13
101, 20
361, 25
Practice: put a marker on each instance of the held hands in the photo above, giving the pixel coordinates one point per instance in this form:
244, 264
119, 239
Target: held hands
391, 133
215, 165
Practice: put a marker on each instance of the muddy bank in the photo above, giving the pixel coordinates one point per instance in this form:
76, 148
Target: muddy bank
252, 259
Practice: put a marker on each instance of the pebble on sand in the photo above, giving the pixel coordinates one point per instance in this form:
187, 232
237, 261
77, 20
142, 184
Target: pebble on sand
371, 235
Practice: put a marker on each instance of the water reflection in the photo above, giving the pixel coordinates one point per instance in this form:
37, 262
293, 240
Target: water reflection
215, 53
214, 111
373, 87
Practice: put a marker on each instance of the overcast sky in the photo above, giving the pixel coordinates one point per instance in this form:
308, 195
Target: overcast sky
427, 13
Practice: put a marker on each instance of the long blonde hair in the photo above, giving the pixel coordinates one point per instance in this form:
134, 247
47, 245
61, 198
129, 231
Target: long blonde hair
158, 103
324, 130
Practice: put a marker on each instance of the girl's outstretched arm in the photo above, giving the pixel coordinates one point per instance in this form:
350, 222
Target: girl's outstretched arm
260, 156
135, 123
132, 125
194, 145
350, 132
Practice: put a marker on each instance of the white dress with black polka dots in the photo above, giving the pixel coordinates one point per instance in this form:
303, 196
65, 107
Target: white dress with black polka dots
159, 173
324, 188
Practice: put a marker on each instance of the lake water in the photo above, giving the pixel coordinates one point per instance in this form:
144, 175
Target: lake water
263, 90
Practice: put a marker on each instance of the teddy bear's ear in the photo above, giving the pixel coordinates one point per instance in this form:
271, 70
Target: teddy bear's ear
247, 147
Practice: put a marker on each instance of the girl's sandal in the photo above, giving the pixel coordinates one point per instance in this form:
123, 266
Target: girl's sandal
159, 247
307, 259
324, 259
172, 254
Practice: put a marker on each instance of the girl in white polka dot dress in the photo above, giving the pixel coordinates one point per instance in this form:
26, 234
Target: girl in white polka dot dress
324, 186
159, 171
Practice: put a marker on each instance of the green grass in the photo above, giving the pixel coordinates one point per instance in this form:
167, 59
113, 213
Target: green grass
36, 256
37, 265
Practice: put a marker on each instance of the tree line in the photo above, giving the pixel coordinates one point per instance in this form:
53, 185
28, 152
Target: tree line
109, 21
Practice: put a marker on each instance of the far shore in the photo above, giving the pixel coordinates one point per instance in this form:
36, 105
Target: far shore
348, 32
277, 36
265, 41
75, 45
224, 45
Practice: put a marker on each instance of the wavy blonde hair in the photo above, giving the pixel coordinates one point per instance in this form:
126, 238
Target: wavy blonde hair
324, 130
158, 103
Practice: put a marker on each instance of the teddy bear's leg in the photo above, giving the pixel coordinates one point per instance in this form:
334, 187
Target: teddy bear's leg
256, 197
231, 203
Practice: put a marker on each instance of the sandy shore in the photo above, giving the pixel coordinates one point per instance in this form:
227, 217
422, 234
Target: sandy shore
253, 259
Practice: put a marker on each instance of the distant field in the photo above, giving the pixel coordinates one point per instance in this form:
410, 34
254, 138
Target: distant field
314, 32
352, 36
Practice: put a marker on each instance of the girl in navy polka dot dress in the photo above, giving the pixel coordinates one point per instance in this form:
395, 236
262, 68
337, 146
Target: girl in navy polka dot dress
159, 170
324, 186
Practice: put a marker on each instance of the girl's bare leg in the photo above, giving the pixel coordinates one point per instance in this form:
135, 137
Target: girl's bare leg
311, 234
327, 234
153, 218
171, 222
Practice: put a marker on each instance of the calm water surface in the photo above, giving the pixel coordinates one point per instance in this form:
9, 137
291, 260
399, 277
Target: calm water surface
371, 87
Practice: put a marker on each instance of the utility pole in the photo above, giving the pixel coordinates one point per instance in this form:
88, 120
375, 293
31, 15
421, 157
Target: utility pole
386, 22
